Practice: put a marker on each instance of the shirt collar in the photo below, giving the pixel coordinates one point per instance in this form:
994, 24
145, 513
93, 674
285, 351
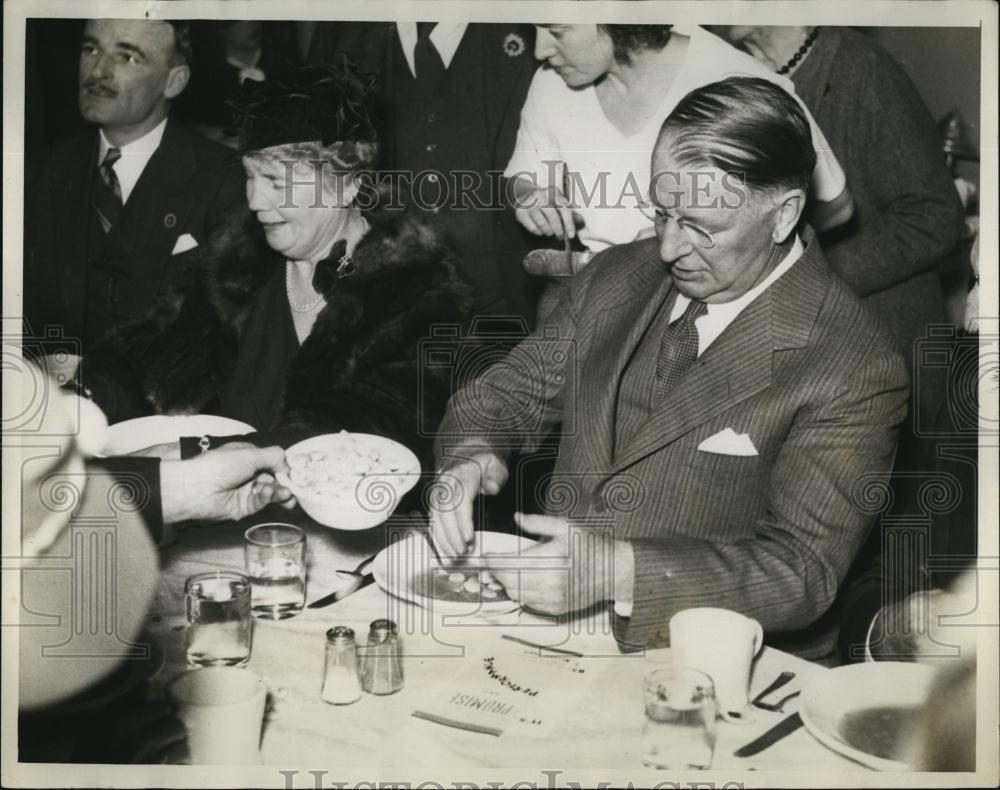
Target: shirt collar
721, 315
135, 156
446, 36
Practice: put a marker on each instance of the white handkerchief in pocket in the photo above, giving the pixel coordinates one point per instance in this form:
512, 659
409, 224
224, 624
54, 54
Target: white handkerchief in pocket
184, 243
728, 442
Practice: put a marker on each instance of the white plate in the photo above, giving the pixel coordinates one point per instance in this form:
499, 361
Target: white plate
396, 566
828, 699
131, 435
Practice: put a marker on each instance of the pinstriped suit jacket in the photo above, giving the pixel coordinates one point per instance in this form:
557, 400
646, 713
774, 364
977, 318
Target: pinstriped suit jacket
805, 370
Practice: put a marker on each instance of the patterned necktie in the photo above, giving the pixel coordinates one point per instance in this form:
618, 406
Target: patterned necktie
427, 60
678, 348
108, 192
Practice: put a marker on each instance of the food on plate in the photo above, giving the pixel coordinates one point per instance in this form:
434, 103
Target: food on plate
468, 585
336, 470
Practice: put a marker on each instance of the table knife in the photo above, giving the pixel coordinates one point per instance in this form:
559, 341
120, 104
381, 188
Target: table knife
772, 736
348, 589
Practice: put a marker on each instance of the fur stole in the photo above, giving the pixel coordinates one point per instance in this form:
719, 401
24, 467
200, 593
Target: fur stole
362, 356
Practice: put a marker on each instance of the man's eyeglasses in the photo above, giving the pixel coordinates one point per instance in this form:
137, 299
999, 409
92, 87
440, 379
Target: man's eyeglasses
697, 236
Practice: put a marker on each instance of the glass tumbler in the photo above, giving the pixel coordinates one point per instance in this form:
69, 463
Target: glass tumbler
276, 564
219, 628
679, 732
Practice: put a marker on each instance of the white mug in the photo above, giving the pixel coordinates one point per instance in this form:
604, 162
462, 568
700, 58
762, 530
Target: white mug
222, 709
723, 645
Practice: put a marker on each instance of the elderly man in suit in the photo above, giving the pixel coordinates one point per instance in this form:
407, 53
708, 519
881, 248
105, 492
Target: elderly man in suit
116, 209
448, 101
724, 399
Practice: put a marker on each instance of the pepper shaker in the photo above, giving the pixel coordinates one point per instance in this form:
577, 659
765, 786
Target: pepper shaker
381, 665
341, 685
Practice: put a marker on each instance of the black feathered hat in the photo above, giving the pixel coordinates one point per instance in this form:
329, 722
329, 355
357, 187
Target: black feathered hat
310, 104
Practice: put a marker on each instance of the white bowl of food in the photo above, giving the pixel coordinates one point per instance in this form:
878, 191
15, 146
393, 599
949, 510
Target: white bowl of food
349, 481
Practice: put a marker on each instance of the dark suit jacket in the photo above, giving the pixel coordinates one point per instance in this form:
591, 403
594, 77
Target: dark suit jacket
805, 371
187, 187
487, 238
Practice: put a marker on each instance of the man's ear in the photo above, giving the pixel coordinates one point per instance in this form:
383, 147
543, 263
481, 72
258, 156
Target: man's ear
790, 205
177, 81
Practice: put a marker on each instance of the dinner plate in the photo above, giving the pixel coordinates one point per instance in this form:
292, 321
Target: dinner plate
398, 568
855, 698
131, 435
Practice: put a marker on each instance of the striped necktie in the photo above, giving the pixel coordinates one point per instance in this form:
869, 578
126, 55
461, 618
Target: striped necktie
678, 348
108, 192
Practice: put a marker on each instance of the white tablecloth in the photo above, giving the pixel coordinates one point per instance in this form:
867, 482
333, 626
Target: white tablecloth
600, 732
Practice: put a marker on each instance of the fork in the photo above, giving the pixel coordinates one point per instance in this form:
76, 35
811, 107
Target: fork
775, 707
357, 571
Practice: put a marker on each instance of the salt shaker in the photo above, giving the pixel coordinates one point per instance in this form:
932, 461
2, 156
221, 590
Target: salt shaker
381, 664
340, 678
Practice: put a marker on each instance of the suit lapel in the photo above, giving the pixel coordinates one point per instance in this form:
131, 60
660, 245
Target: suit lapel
154, 214
77, 197
501, 74
739, 364
620, 323
735, 367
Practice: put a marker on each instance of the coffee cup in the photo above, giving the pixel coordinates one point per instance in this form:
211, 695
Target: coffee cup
222, 709
722, 644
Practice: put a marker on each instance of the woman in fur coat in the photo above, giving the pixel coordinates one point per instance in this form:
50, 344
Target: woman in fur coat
305, 316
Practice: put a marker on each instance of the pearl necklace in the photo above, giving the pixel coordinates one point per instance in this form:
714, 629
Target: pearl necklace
800, 53
296, 305
343, 269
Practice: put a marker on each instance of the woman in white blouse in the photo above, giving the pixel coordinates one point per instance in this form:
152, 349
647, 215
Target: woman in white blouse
591, 119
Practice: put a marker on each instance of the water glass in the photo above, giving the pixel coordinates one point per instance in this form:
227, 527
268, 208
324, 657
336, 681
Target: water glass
276, 564
679, 732
219, 624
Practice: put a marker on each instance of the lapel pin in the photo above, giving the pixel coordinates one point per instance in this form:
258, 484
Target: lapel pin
513, 45
169, 220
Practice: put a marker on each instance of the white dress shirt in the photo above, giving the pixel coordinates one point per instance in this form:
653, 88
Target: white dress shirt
445, 37
135, 157
719, 316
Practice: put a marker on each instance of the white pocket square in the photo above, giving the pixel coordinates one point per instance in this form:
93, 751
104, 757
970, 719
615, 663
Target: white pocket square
184, 243
728, 442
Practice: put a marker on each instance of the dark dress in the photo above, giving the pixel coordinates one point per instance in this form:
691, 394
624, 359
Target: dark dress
256, 385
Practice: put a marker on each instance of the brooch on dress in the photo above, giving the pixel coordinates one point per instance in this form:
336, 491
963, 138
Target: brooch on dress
345, 266
513, 45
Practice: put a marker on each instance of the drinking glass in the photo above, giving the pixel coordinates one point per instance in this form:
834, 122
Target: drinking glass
276, 564
679, 732
219, 624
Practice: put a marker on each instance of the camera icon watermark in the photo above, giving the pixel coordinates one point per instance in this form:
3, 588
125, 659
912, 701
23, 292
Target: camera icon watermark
503, 378
964, 367
35, 366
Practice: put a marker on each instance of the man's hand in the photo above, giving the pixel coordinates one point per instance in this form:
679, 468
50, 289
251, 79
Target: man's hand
543, 211
576, 566
457, 486
230, 483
